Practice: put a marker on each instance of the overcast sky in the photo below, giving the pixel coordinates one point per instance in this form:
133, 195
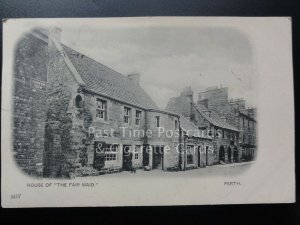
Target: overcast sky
169, 59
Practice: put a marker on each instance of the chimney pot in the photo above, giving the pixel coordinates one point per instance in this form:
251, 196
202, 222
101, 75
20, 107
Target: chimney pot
55, 33
135, 77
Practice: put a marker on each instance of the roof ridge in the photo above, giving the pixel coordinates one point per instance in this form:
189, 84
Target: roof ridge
214, 122
89, 57
181, 116
106, 81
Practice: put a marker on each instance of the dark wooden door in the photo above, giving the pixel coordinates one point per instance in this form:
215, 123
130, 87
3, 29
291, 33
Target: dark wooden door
222, 154
99, 155
235, 155
229, 154
127, 157
157, 157
199, 156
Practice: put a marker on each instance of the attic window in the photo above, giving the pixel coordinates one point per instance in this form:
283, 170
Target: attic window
78, 102
207, 112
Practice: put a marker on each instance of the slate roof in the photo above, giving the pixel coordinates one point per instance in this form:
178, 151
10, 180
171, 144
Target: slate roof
164, 111
107, 82
188, 125
215, 119
245, 112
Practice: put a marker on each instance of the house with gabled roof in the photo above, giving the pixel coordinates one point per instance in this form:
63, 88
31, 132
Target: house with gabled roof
224, 135
236, 113
91, 118
197, 145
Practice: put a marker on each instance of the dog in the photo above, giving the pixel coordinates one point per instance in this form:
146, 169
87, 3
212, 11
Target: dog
133, 169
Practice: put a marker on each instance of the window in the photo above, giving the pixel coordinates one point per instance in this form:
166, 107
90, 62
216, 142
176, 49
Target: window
111, 152
136, 151
101, 109
157, 121
176, 124
136, 155
127, 115
190, 154
78, 102
243, 122
138, 117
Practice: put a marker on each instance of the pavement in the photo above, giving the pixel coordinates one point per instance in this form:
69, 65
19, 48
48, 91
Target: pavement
215, 170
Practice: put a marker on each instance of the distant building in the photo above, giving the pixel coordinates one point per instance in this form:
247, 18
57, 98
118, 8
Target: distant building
197, 145
224, 135
236, 113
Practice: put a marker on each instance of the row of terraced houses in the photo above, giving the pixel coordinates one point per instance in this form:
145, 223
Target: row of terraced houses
72, 113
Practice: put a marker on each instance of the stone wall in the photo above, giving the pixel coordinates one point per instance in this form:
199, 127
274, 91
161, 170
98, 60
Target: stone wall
180, 105
64, 130
29, 94
168, 138
216, 97
217, 100
207, 158
113, 130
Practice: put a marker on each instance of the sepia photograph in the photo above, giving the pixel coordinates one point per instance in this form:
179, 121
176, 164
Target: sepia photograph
101, 103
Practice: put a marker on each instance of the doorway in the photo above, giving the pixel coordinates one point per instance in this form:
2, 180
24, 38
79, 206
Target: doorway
222, 154
235, 154
206, 153
127, 157
158, 157
199, 156
229, 154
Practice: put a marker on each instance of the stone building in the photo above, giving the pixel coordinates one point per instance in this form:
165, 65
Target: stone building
198, 148
247, 137
236, 114
224, 135
29, 95
72, 112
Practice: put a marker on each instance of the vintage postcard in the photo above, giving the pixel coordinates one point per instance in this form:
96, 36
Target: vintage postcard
147, 111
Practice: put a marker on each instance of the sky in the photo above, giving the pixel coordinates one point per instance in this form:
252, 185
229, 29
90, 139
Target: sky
170, 58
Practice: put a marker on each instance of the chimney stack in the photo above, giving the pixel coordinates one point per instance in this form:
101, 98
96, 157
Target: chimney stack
135, 77
203, 102
55, 33
187, 92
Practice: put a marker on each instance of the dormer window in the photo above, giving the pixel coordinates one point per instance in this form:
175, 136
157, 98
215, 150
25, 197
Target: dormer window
78, 102
101, 109
207, 113
224, 119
